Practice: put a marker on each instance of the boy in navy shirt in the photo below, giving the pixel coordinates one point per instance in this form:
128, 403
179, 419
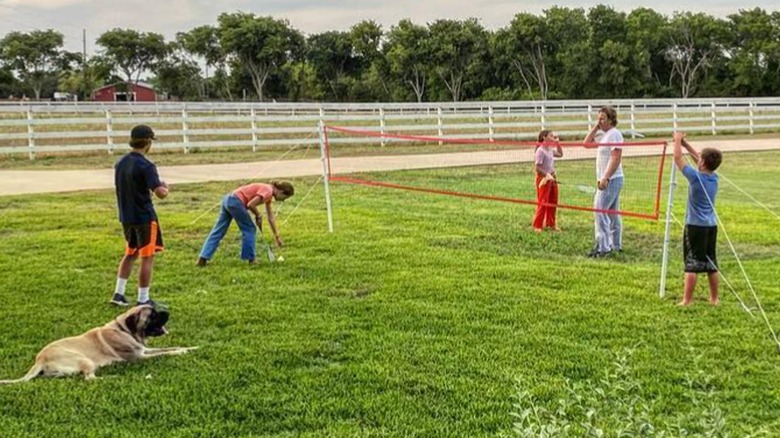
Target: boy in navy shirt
136, 178
701, 223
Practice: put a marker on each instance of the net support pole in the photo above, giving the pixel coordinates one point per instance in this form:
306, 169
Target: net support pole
325, 176
667, 231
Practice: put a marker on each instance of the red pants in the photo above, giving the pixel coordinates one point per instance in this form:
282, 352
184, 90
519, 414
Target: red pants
547, 194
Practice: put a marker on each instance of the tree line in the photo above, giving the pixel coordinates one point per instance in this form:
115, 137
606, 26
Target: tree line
562, 53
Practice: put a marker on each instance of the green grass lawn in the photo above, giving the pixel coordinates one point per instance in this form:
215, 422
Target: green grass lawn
422, 315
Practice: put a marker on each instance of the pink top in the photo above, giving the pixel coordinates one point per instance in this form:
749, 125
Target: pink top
545, 159
250, 191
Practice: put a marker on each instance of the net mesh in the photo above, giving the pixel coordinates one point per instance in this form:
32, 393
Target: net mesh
500, 170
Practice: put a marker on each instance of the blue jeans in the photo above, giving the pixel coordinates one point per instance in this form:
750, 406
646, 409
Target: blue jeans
609, 226
232, 208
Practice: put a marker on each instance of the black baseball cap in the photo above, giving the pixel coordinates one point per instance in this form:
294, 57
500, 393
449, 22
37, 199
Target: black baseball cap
142, 132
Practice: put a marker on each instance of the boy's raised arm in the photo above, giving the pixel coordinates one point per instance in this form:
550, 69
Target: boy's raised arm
679, 138
694, 154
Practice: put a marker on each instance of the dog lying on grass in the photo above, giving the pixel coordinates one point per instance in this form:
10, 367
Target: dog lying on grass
121, 340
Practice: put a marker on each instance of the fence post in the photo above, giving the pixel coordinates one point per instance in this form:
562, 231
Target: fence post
440, 124
253, 115
382, 124
750, 112
674, 116
633, 121
185, 137
109, 132
543, 110
30, 134
713, 118
491, 128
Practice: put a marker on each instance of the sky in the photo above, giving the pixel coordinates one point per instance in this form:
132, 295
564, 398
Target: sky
71, 17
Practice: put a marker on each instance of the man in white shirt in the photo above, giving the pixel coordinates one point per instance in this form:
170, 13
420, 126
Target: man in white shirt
609, 176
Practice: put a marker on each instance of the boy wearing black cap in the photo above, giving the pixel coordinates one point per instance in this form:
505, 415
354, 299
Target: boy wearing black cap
135, 178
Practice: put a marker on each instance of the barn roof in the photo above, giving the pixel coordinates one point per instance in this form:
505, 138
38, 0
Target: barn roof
141, 84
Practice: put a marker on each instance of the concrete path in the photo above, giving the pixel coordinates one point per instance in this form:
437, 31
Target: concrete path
16, 182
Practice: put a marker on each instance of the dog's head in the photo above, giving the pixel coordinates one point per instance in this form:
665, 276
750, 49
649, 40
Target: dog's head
144, 321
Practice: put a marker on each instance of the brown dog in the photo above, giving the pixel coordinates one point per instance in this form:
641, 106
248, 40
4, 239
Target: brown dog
123, 339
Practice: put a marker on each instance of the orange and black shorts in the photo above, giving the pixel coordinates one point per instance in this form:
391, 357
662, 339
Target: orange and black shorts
143, 240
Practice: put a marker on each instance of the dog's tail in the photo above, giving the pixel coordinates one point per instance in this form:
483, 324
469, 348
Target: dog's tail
34, 372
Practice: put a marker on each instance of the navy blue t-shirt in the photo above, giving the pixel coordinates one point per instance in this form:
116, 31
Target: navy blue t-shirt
135, 177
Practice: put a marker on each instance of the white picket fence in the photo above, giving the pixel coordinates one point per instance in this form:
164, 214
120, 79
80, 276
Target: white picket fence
56, 127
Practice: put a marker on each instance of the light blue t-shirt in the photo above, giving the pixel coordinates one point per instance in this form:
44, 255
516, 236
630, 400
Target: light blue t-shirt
701, 197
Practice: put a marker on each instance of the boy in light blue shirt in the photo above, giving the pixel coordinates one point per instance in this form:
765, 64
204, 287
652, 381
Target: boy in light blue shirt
701, 223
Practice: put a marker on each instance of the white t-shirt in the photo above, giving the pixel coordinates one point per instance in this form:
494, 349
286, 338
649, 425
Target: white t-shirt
604, 152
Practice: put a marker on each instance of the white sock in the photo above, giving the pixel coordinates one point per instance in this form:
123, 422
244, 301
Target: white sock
143, 294
120, 286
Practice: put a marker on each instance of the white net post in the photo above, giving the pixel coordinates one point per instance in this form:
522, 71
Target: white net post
325, 176
667, 231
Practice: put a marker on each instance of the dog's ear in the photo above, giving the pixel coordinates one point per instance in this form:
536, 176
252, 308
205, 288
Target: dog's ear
131, 322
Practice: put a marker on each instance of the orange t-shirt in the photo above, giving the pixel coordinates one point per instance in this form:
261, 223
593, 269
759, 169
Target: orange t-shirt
250, 191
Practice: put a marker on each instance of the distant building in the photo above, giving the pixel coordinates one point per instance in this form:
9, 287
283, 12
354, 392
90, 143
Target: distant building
60, 96
141, 92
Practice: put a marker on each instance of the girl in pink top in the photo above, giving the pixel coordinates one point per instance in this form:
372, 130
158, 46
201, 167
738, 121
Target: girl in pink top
238, 205
548, 148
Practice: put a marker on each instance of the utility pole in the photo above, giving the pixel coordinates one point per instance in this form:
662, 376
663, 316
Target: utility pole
84, 62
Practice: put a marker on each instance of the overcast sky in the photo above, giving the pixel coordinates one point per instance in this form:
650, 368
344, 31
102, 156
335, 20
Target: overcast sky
309, 16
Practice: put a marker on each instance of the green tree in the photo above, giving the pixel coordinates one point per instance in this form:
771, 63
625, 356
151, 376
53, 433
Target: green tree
754, 46
333, 57
616, 72
459, 50
178, 75
203, 43
132, 53
261, 44
37, 57
9, 85
525, 46
647, 32
695, 43
87, 78
371, 75
408, 55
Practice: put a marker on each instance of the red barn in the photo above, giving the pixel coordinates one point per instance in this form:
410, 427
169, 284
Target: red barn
142, 92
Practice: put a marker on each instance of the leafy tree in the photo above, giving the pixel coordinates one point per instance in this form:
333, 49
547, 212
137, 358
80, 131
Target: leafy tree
333, 57
615, 72
178, 75
372, 70
571, 57
525, 45
89, 77
131, 53
366, 39
754, 43
695, 42
261, 44
9, 85
408, 54
647, 32
203, 42
459, 49
36, 57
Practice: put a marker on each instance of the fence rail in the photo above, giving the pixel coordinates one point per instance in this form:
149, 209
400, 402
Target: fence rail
56, 127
